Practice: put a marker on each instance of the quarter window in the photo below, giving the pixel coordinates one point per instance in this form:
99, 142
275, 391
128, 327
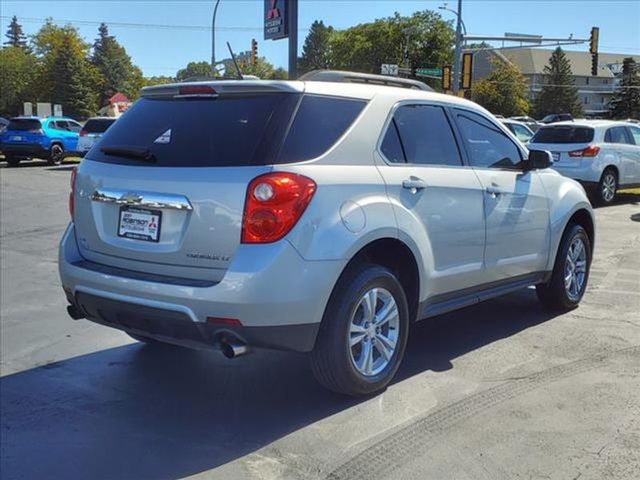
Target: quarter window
635, 134
425, 136
487, 146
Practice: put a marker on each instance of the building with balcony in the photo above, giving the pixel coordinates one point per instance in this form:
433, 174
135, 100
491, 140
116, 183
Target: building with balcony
594, 92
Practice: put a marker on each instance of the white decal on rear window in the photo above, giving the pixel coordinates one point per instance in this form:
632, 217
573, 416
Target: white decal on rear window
164, 138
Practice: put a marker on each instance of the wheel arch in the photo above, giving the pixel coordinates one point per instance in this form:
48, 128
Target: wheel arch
398, 257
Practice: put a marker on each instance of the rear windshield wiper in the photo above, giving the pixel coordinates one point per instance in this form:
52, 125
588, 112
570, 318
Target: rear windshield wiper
130, 152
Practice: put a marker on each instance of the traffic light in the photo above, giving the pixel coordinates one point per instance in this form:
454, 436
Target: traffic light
594, 64
593, 40
254, 51
467, 70
446, 78
593, 50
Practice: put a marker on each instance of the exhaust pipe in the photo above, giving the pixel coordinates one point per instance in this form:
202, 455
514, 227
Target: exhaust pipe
233, 349
74, 312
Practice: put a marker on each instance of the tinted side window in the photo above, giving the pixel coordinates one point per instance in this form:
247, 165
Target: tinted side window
635, 134
73, 126
486, 145
616, 135
391, 146
426, 135
319, 123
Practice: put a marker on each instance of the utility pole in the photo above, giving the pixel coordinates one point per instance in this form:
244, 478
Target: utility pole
458, 51
213, 37
292, 13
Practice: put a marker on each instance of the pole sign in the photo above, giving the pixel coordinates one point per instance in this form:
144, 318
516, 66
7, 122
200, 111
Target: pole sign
276, 25
467, 70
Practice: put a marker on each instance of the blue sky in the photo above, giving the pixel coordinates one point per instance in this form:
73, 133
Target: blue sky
162, 51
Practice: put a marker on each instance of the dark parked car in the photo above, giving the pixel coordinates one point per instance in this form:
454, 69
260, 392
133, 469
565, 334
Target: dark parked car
557, 117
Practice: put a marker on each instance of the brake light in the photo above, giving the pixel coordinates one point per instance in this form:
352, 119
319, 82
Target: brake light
72, 192
590, 151
197, 90
274, 204
83, 133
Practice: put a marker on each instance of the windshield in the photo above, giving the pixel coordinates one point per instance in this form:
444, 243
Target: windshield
563, 134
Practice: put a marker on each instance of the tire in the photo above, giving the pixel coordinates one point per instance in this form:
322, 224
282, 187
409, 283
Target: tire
12, 161
556, 295
56, 154
343, 368
607, 187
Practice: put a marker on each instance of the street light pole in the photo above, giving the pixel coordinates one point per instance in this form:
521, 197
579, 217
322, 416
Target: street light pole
458, 51
213, 37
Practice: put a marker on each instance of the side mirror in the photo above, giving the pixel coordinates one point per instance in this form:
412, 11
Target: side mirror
538, 159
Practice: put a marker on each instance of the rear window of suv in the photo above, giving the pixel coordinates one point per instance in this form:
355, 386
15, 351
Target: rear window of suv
563, 134
230, 130
24, 124
98, 125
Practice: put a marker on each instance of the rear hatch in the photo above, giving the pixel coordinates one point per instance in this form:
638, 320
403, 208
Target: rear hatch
560, 140
23, 131
163, 191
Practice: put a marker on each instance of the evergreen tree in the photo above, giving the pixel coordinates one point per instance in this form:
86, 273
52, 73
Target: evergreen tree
15, 36
504, 91
558, 94
72, 85
117, 72
626, 101
316, 50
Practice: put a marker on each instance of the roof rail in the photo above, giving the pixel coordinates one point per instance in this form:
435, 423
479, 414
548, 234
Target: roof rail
356, 77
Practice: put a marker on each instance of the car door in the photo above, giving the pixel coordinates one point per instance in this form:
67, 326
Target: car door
634, 149
515, 203
619, 141
421, 164
67, 135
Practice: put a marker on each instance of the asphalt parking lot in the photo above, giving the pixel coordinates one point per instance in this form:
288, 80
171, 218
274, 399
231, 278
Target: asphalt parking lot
502, 390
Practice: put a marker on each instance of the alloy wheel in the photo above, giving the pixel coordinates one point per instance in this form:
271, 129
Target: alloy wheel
374, 332
575, 269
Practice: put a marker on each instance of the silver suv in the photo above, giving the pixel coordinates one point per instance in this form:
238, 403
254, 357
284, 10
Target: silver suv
316, 217
603, 155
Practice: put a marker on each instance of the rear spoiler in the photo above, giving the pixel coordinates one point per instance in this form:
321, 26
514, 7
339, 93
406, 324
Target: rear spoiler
367, 78
224, 87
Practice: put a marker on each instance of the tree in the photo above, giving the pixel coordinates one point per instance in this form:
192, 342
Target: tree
316, 53
17, 70
504, 91
72, 85
15, 36
118, 74
158, 80
195, 71
261, 69
626, 100
558, 94
421, 40
64, 74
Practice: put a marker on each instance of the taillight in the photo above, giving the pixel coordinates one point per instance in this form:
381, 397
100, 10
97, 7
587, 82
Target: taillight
72, 192
83, 133
590, 151
197, 90
275, 202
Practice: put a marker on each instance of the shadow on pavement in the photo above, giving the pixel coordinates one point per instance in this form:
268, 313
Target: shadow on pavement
145, 412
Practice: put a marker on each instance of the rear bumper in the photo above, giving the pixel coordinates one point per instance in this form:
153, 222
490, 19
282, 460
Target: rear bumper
24, 150
177, 328
278, 297
586, 171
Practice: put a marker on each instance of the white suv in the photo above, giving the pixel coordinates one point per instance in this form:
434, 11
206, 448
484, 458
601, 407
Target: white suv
603, 155
313, 216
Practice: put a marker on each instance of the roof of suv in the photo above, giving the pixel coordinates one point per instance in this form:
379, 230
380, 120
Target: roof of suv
590, 123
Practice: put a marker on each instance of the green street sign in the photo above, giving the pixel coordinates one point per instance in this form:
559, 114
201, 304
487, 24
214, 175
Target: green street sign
431, 72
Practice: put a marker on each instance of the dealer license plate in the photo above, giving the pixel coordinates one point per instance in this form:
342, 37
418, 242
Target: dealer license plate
140, 224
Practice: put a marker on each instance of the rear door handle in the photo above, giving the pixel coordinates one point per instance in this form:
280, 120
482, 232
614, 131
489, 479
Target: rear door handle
414, 184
